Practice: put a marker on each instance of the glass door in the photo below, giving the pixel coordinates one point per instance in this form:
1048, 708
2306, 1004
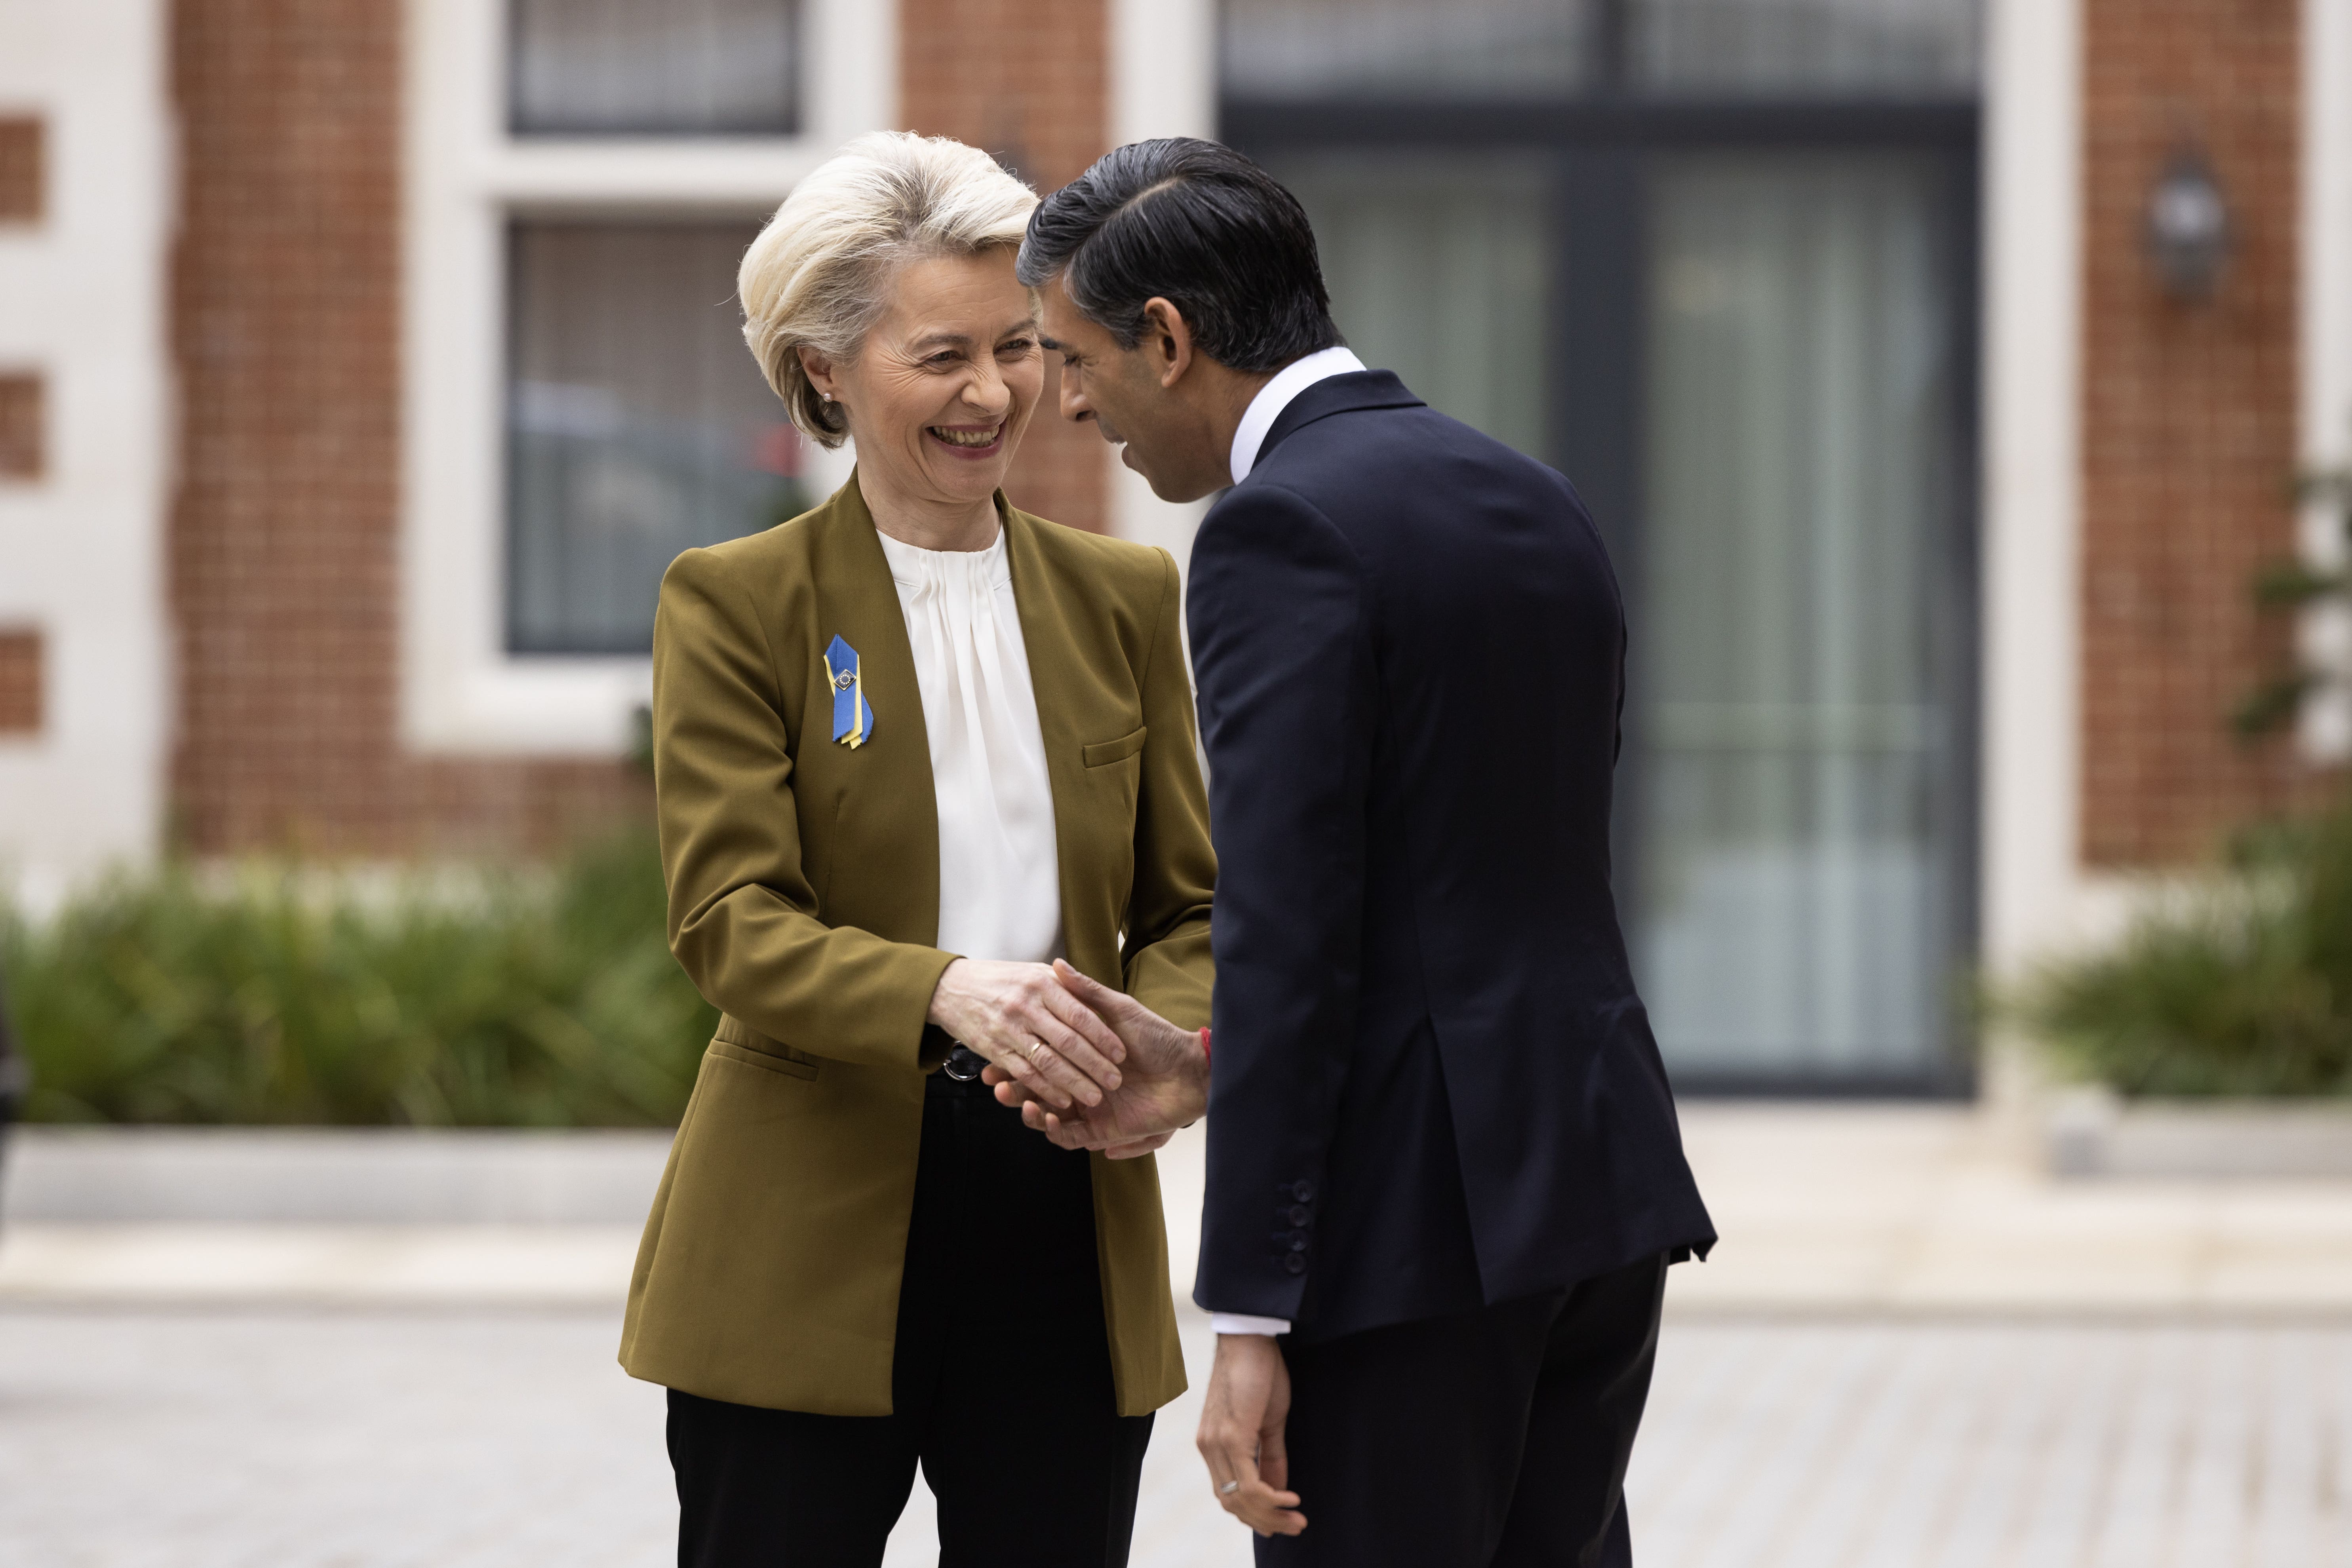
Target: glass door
1802, 609
1714, 260
1439, 269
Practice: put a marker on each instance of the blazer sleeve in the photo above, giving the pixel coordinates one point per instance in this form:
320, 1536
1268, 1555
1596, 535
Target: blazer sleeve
742, 917
1166, 959
1282, 649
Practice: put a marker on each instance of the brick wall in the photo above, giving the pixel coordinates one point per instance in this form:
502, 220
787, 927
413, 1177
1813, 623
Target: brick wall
22, 181
23, 426
284, 580
1029, 81
2189, 424
20, 681
286, 292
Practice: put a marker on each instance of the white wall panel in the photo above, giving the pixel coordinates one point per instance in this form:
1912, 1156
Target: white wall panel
82, 302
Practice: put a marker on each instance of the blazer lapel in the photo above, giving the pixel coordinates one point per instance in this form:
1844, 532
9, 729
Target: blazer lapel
1058, 673
885, 809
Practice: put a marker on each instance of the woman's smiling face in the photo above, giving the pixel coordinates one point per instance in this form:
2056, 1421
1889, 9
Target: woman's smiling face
944, 385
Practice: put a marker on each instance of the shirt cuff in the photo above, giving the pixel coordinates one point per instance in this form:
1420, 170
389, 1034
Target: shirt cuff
1243, 1324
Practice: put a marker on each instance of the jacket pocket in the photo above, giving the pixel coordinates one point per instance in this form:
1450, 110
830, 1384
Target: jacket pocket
1102, 754
739, 1043
752, 1058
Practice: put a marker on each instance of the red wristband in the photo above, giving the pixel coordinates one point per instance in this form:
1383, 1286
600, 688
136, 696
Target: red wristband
1204, 1045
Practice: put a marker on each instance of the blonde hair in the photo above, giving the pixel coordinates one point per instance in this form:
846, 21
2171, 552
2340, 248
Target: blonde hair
817, 275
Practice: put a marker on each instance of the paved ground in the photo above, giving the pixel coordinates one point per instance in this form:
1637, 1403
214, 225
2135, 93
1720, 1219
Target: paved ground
1848, 1209
259, 1439
1913, 1349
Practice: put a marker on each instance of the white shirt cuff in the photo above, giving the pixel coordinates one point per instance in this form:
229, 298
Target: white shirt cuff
1243, 1324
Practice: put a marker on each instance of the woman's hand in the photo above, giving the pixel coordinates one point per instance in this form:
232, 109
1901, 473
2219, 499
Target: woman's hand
1020, 1017
1166, 1070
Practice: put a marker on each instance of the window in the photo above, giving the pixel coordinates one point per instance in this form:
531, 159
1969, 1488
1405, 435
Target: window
1506, 49
1824, 47
581, 179
625, 66
1437, 265
1797, 708
638, 426
1409, 48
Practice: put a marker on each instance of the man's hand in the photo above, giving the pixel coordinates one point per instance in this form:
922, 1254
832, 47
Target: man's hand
1164, 1081
1241, 1433
1030, 1029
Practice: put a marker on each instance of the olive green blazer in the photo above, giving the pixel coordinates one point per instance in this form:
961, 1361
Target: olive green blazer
803, 900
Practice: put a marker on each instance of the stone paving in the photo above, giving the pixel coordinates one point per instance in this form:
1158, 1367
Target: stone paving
327, 1439
1913, 1349
1884, 1210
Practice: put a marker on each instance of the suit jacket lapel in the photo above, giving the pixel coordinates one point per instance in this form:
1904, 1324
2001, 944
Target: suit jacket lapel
885, 800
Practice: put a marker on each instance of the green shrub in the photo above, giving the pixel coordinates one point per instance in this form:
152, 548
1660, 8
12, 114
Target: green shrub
280, 994
2243, 990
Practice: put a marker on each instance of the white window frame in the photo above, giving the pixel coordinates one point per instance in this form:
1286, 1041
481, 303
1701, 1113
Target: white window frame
2033, 884
2324, 414
1163, 84
461, 691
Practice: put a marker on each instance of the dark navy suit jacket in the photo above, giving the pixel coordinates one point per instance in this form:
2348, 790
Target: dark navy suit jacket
1432, 1085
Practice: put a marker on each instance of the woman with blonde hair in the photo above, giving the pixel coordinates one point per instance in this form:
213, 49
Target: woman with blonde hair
909, 749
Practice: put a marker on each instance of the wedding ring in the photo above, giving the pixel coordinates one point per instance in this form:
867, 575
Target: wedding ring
1034, 1046
1229, 1489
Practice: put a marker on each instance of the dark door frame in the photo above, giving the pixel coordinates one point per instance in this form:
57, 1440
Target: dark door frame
1600, 145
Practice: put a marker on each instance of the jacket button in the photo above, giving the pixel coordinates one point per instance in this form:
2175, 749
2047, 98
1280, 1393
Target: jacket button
1295, 1263
1303, 1191
1301, 1214
1297, 1243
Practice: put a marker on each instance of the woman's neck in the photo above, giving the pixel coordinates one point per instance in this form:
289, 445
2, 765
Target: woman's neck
928, 522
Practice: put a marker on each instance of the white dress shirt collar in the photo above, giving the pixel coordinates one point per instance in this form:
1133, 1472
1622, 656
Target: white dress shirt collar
1275, 395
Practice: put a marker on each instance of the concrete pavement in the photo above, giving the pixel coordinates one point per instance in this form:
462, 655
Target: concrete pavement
1913, 1349
1838, 1209
261, 1439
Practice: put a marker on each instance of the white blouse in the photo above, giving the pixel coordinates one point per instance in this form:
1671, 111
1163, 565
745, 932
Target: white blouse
1000, 887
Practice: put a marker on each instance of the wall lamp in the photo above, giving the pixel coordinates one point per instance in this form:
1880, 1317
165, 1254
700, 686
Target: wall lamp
2187, 228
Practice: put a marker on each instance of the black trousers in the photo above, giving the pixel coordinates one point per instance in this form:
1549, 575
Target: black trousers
1494, 1438
1001, 1388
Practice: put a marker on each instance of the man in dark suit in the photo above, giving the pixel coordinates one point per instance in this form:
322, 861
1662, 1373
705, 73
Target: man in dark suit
1445, 1174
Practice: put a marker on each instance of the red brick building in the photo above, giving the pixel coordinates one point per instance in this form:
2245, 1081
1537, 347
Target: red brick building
361, 361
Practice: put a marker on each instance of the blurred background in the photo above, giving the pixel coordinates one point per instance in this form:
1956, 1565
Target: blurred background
1964, 386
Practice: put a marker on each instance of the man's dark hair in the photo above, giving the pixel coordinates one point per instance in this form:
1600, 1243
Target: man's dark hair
1197, 224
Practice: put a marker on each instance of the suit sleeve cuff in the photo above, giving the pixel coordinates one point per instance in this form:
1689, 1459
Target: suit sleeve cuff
1243, 1324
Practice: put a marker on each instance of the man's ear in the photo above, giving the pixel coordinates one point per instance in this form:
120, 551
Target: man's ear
1167, 340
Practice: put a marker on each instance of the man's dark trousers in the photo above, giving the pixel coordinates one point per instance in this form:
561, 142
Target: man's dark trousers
1492, 1438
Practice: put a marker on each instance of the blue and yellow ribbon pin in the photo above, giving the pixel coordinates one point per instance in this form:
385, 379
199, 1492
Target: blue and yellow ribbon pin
852, 716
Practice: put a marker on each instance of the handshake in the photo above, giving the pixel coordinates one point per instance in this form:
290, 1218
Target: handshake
1088, 1067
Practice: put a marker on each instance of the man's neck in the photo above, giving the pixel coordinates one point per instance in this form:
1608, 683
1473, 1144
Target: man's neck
1228, 398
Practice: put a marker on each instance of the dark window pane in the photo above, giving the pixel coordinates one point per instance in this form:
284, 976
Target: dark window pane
1816, 47
711, 67
1502, 49
1438, 267
638, 426
1795, 645
1410, 48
